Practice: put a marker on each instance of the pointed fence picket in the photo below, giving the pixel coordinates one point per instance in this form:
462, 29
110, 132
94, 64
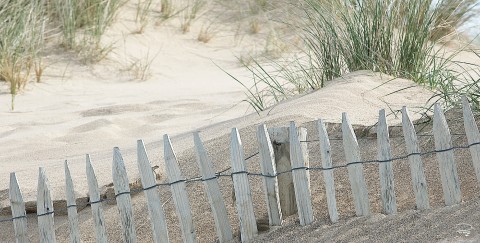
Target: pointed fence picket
149, 183
327, 173
298, 156
301, 180
270, 182
355, 171
18, 210
387, 188
179, 191
473, 136
45, 208
416, 165
224, 230
445, 157
122, 195
71, 206
95, 203
248, 224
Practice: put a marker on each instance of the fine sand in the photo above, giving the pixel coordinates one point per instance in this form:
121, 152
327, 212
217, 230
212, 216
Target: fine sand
80, 109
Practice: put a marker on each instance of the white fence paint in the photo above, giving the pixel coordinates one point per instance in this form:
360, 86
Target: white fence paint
246, 214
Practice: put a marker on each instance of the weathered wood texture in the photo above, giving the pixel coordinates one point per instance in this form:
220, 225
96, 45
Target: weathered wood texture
280, 140
71, 206
355, 171
122, 195
179, 192
45, 209
387, 184
446, 161
222, 224
325, 153
97, 210
248, 224
270, 183
154, 202
301, 179
18, 210
419, 182
473, 135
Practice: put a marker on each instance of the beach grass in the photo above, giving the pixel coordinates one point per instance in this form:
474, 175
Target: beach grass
398, 38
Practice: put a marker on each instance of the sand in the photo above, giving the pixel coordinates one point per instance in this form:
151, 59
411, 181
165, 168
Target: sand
79, 109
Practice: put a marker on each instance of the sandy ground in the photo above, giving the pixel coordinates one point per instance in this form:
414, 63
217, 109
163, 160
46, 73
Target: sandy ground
80, 109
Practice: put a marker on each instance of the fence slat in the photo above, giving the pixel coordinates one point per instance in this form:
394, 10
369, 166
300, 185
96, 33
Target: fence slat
447, 166
327, 174
301, 180
45, 208
473, 135
224, 230
95, 203
154, 202
419, 182
355, 171
122, 195
387, 184
18, 210
248, 224
71, 206
286, 191
270, 184
179, 192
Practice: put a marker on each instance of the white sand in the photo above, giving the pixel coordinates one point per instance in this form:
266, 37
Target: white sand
90, 109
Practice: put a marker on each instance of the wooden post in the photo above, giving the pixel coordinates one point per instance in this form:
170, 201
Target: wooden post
224, 230
71, 206
248, 224
18, 210
270, 184
355, 171
45, 209
154, 202
473, 135
387, 185
97, 211
280, 140
122, 195
179, 192
446, 161
327, 173
419, 182
301, 179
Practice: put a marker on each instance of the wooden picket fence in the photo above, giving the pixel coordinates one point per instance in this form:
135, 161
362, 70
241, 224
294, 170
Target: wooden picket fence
244, 204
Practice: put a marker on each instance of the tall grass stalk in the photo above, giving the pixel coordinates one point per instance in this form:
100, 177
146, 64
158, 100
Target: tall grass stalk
21, 40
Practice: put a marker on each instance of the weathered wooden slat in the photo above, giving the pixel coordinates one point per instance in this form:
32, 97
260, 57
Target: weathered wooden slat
279, 136
248, 224
154, 202
18, 210
95, 203
45, 208
326, 156
473, 135
446, 161
387, 184
122, 195
71, 206
419, 182
300, 178
224, 230
355, 171
270, 184
179, 192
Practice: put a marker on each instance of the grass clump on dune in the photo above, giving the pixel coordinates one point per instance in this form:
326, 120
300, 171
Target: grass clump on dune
399, 38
